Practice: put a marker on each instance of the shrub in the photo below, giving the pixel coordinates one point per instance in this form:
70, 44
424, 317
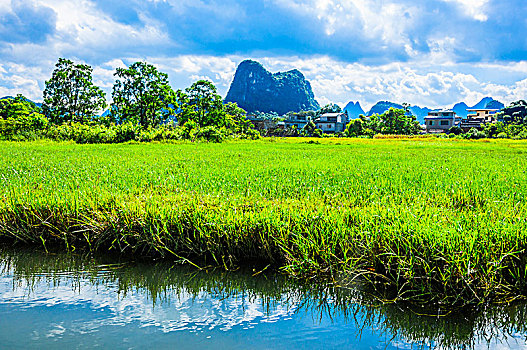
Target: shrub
318, 133
23, 126
474, 134
253, 134
211, 133
456, 130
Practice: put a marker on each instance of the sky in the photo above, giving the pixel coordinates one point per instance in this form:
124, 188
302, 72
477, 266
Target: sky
424, 52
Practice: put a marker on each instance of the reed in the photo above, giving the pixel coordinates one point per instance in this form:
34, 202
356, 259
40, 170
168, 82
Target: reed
427, 220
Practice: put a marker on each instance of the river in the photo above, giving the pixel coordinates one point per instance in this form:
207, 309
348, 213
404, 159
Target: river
69, 301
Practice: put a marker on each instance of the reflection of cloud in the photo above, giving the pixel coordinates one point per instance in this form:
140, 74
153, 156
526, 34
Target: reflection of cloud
92, 303
181, 311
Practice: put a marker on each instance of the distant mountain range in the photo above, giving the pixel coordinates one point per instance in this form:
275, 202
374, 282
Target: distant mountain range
354, 109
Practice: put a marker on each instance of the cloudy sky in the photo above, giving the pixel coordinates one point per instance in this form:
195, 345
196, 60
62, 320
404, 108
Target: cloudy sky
424, 52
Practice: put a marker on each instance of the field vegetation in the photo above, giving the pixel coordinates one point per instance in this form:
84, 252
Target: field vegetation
427, 220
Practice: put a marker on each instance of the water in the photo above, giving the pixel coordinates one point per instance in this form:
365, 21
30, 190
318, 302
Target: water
74, 301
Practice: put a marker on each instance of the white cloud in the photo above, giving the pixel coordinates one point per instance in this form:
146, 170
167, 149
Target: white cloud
425, 68
83, 24
473, 8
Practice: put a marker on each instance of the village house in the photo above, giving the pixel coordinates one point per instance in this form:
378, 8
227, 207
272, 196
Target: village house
262, 124
332, 122
439, 121
477, 118
297, 120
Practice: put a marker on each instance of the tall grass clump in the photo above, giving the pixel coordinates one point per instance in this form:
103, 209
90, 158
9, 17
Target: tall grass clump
427, 220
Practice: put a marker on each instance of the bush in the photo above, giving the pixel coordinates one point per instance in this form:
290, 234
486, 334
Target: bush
23, 126
211, 133
502, 135
474, 134
456, 130
253, 134
318, 133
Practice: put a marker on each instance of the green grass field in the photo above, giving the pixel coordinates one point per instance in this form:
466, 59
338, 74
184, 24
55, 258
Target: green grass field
427, 220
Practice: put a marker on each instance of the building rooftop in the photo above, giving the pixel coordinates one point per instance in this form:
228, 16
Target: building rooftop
331, 114
442, 111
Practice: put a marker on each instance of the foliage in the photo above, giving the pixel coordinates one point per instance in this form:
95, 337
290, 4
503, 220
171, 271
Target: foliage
455, 130
515, 131
236, 118
354, 128
86, 133
474, 134
142, 95
211, 133
20, 118
318, 133
70, 94
266, 116
307, 115
392, 122
516, 113
202, 104
330, 108
309, 128
17, 107
251, 134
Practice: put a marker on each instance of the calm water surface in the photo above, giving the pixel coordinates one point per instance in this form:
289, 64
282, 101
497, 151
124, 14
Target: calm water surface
73, 301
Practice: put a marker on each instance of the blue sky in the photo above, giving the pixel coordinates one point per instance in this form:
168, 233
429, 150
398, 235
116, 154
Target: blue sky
433, 52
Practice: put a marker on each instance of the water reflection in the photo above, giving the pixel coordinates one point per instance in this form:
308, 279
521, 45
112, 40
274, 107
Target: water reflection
50, 300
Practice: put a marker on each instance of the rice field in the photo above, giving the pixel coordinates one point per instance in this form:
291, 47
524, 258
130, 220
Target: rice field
427, 220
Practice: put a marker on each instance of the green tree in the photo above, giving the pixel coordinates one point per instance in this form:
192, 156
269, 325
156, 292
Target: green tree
392, 122
17, 107
142, 95
309, 128
202, 104
236, 118
330, 108
70, 94
492, 130
516, 113
354, 128
19, 115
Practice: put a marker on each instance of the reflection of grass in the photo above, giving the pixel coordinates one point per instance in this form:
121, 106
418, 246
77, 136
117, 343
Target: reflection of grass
432, 220
165, 283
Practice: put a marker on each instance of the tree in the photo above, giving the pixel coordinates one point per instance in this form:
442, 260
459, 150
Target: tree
330, 108
142, 95
17, 107
70, 94
20, 115
516, 113
201, 104
354, 128
398, 122
236, 117
309, 128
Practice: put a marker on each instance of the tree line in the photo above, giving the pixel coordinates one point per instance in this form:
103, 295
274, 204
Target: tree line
144, 106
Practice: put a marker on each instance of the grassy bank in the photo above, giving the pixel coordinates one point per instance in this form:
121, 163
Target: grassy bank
427, 220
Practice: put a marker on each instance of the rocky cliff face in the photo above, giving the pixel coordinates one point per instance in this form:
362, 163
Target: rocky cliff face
256, 89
